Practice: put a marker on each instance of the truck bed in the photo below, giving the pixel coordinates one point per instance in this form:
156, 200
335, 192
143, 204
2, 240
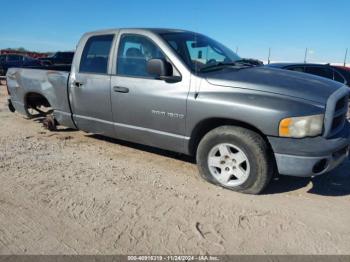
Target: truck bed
49, 84
62, 68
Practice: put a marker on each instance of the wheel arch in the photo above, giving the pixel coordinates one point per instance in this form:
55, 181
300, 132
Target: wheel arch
35, 98
206, 125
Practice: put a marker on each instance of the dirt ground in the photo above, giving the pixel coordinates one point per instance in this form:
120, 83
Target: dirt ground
68, 192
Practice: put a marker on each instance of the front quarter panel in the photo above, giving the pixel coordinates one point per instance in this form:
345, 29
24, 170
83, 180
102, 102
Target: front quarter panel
259, 109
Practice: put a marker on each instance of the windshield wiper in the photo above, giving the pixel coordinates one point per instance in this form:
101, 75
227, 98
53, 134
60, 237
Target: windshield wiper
249, 62
217, 66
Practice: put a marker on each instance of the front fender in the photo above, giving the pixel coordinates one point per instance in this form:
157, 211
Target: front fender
256, 108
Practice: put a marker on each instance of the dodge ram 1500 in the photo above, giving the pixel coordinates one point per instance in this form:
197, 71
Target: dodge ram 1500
183, 91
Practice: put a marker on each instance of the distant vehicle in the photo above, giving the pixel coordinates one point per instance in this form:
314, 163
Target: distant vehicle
59, 58
344, 71
31, 54
337, 73
15, 60
185, 92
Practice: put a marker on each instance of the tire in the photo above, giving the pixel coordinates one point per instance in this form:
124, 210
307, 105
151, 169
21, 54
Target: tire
235, 158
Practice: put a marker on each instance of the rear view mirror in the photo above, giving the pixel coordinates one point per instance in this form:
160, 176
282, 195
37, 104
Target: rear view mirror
161, 69
158, 67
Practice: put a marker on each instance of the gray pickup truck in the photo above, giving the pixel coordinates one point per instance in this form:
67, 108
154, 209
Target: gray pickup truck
182, 91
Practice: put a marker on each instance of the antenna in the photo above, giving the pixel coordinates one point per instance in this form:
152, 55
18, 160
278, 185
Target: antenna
268, 58
346, 54
305, 56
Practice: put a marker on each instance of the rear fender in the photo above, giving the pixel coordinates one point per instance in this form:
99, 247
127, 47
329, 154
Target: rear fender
52, 85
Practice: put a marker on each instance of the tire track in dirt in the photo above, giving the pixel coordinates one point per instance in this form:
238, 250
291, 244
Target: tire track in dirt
71, 192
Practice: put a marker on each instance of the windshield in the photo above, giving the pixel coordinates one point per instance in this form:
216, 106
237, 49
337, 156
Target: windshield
200, 52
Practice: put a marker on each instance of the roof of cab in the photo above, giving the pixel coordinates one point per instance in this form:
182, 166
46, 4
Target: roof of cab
153, 30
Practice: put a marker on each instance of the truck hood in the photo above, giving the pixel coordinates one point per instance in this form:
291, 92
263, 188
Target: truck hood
278, 81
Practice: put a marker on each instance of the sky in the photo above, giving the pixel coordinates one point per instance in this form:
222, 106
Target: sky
251, 26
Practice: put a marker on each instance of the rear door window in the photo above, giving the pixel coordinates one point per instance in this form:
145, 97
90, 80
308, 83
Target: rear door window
319, 71
95, 55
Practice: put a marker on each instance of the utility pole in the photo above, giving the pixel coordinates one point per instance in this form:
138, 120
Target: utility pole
305, 56
346, 54
268, 58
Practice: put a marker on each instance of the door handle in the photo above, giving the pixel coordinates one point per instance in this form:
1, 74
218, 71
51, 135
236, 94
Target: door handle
78, 84
121, 89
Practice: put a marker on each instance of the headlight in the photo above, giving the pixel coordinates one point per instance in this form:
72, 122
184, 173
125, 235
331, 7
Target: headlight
303, 126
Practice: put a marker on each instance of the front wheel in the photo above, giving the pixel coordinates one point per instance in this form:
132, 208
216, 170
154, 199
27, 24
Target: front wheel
235, 158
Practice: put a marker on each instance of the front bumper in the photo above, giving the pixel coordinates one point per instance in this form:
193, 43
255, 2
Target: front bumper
310, 156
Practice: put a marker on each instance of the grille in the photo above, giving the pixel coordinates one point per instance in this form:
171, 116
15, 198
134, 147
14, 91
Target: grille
341, 103
340, 115
337, 122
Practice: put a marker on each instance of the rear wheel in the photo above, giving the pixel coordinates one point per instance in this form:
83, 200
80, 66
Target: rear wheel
235, 158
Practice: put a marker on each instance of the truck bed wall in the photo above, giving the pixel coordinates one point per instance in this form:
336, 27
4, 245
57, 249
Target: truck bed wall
62, 68
49, 83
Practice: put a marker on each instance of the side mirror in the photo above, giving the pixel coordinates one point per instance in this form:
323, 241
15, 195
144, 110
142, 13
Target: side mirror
161, 69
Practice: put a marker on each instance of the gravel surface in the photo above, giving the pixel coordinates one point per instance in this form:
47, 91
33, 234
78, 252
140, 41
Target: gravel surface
69, 192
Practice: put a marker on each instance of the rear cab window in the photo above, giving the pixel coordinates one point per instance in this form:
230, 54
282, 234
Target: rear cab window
95, 56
